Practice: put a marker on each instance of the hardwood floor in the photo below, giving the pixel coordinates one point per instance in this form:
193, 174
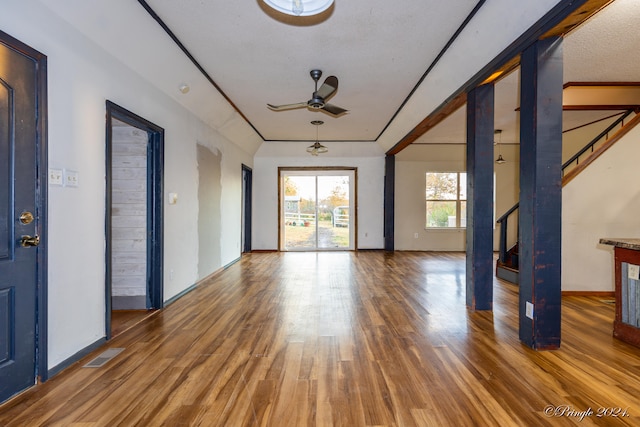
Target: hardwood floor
121, 320
345, 339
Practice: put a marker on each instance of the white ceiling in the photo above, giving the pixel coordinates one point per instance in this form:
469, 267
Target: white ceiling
603, 49
379, 50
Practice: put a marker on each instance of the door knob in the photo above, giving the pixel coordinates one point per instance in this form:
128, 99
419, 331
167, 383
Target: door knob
27, 241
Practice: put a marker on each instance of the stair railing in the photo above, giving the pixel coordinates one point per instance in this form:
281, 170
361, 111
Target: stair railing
590, 146
504, 222
504, 219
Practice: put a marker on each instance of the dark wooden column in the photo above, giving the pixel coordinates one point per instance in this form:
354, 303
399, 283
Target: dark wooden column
540, 193
389, 201
479, 276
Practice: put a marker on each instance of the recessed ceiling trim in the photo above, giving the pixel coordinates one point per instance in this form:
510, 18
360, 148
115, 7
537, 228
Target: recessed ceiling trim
434, 63
182, 47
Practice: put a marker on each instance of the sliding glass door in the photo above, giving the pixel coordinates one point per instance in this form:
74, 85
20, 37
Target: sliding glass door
316, 210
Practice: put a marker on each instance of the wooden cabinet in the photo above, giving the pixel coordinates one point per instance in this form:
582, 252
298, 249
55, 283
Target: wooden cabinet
626, 325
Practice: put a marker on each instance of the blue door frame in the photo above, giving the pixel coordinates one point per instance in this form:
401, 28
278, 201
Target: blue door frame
24, 272
155, 210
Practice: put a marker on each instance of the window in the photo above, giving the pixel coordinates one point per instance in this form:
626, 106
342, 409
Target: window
446, 200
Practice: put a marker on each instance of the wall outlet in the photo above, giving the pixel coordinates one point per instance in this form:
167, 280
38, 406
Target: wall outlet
529, 310
415, 235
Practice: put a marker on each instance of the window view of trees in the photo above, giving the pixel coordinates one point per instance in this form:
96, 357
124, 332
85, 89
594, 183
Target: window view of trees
446, 195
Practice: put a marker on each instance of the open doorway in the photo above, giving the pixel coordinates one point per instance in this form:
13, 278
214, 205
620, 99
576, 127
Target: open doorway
134, 219
247, 185
317, 209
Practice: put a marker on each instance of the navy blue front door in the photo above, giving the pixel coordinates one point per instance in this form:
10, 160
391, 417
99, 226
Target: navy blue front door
19, 220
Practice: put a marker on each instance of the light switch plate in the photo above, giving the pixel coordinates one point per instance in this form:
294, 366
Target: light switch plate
55, 177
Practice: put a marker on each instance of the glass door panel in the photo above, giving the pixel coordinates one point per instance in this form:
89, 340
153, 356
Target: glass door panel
300, 212
317, 212
333, 212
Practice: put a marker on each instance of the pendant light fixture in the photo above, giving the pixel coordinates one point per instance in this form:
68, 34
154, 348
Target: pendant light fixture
500, 160
317, 148
299, 7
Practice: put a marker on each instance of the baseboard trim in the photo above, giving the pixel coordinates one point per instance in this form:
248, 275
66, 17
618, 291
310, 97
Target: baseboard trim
229, 264
602, 294
199, 282
76, 357
258, 251
179, 295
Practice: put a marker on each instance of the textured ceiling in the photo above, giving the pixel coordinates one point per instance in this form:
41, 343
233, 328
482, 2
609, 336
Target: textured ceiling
378, 51
602, 49
396, 61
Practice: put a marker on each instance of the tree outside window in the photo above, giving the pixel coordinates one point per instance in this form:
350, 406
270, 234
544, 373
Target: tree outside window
446, 199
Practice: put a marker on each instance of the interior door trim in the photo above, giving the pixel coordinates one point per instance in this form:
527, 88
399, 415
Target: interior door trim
247, 188
321, 169
155, 211
40, 60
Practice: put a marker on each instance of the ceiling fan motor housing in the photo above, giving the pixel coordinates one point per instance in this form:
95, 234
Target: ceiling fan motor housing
316, 102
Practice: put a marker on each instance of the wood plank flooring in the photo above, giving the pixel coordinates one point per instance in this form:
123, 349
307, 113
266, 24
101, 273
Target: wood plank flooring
345, 339
121, 320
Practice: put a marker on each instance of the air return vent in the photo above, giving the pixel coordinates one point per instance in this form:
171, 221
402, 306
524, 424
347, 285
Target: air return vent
103, 358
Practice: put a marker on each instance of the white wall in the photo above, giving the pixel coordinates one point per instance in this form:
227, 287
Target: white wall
365, 156
410, 215
602, 201
81, 77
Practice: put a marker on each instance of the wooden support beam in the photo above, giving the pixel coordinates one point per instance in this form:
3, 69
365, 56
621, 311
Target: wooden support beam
479, 244
566, 16
441, 113
541, 194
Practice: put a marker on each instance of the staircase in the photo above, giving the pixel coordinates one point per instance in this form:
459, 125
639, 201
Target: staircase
507, 265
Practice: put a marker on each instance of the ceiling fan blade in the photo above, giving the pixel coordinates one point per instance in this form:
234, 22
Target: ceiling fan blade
334, 109
286, 106
328, 88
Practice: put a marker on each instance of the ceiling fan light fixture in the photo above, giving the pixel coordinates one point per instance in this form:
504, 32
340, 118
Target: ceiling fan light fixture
317, 148
299, 7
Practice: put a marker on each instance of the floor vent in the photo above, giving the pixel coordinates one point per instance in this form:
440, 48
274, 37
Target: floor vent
103, 358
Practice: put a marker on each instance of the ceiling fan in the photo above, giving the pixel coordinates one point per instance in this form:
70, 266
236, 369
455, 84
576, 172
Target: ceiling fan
319, 97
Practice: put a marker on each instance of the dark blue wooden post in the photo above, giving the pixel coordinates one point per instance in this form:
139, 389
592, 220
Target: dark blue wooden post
479, 276
389, 202
541, 194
